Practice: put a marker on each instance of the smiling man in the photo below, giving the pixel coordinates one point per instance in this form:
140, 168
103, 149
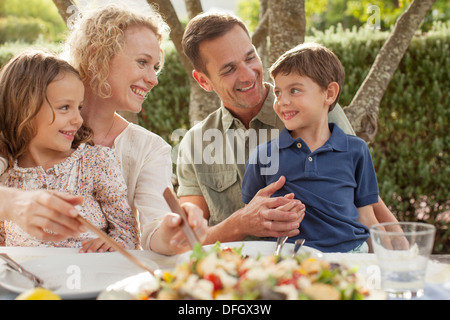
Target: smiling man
225, 61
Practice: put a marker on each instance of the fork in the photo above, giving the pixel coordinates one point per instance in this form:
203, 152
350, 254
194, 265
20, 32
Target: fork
37, 282
280, 243
297, 245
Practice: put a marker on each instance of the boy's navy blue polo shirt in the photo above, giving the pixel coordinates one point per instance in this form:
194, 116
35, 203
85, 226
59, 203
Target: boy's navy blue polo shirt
332, 182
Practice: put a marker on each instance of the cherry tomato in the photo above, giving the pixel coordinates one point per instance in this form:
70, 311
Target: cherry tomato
215, 281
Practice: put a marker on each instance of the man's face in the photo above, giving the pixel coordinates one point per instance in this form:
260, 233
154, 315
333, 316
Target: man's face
234, 70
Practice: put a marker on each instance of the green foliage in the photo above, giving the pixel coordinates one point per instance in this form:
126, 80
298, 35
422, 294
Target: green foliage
389, 11
323, 14
23, 29
30, 20
249, 11
10, 49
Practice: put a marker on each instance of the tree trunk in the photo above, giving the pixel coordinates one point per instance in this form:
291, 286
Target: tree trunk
193, 8
364, 108
201, 102
169, 14
64, 8
259, 37
287, 26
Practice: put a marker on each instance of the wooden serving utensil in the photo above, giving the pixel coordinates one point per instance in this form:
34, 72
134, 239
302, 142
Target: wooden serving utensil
174, 205
113, 244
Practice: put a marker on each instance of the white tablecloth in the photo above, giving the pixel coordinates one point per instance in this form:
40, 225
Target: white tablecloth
437, 276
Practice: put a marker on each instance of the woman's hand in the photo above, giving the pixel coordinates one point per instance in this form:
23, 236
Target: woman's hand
46, 215
169, 238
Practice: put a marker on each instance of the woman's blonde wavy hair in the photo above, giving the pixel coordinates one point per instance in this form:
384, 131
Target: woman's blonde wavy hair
99, 35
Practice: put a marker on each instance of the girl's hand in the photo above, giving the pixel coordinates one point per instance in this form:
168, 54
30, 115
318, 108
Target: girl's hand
95, 245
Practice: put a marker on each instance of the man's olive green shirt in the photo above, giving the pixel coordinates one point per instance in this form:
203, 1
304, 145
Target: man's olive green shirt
213, 154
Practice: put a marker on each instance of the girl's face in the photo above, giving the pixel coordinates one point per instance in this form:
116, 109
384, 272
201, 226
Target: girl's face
133, 70
57, 122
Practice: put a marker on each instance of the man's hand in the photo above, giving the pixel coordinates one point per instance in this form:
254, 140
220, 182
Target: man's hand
272, 217
262, 217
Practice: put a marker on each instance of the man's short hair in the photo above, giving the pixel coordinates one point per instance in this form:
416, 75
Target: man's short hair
313, 61
206, 26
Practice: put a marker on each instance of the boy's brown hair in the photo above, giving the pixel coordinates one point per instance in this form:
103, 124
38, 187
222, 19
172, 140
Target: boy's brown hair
207, 26
23, 90
314, 61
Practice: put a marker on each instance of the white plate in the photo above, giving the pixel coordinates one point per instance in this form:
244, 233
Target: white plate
74, 276
262, 248
265, 248
128, 288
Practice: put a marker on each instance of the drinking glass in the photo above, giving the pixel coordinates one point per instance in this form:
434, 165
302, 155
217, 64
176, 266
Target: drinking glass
402, 250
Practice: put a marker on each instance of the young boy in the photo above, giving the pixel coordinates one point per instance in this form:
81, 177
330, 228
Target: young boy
329, 171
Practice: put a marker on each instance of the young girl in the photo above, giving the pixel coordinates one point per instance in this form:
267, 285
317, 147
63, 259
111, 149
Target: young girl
47, 147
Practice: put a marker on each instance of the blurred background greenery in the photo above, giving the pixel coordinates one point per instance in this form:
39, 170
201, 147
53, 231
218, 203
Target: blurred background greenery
30, 20
411, 150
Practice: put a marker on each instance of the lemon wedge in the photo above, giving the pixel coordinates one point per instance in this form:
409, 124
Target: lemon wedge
38, 294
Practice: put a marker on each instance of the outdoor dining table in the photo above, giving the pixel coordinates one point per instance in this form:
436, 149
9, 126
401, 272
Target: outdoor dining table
437, 277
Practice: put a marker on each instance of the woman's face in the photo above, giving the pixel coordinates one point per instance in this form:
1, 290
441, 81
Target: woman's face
133, 70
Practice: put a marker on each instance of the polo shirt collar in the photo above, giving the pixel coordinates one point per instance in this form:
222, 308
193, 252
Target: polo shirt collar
338, 140
266, 115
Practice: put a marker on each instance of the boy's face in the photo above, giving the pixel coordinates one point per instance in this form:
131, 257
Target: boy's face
300, 103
